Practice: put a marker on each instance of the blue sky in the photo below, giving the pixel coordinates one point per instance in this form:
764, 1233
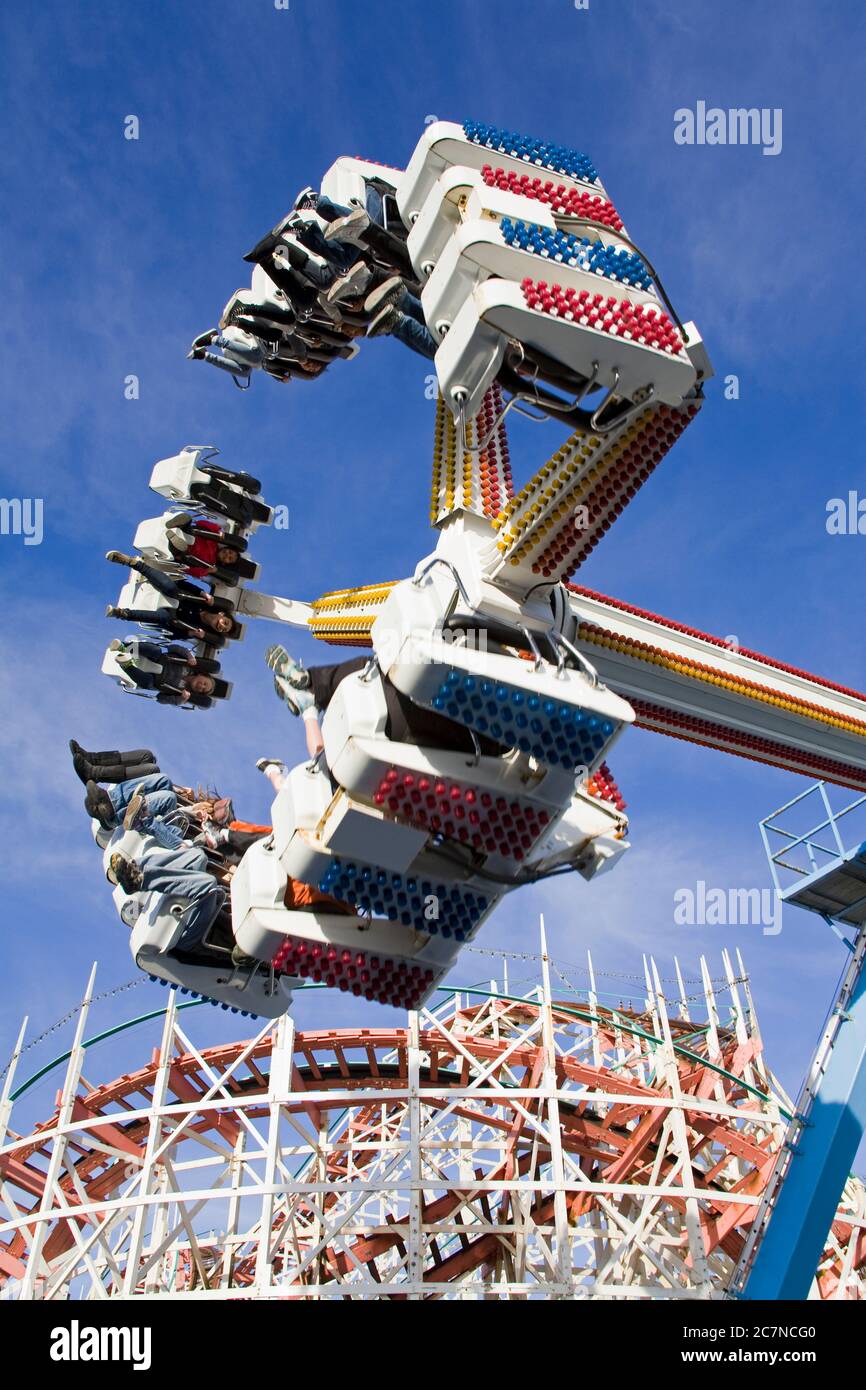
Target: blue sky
116, 253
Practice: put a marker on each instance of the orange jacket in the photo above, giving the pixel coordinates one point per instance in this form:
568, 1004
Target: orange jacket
297, 894
302, 895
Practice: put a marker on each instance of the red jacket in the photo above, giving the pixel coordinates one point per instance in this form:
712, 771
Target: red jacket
203, 549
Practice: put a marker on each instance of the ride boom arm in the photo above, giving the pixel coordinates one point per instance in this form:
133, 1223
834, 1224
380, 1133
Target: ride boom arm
700, 688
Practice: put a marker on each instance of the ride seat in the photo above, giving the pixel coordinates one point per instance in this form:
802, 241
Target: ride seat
516, 249
173, 477
112, 667
589, 837
153, 939
460, 195
445, 144
547, 314
377, 959
498, 806
138, 593
151, 541
556, 714
130, 843
325, 838
176, 478
346, 180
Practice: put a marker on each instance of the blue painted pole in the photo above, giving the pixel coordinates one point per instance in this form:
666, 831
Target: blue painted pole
788, 1254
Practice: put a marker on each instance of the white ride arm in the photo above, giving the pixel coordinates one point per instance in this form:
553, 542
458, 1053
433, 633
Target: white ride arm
275, 608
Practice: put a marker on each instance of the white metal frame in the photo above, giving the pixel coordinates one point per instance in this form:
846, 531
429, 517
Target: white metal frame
446, 1166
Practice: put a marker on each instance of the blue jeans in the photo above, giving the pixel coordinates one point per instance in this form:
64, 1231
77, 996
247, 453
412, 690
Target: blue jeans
334, 252
149, 617
331, 211
159, 800
156, 790
251, 355
374, 204
190, 859
415, 335
322, 276
163, 583
226, 365
410, 304
204, 895
339, 255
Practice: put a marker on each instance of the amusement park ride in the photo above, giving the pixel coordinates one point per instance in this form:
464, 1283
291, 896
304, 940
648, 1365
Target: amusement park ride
540, 305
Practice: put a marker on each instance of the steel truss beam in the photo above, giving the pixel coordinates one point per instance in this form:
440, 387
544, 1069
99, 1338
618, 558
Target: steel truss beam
496, 1147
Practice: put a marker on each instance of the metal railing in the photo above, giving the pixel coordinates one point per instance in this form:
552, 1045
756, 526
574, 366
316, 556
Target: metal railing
801, 854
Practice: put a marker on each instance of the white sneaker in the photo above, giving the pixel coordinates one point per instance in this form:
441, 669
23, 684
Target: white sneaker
264, 763
350, 285
349, 229
297, 700
279, 661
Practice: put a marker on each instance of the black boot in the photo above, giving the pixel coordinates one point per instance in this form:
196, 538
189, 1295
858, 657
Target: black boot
97, 804
226, 475
132, 771
234, 506
110, 772
83, 769
130, 756
112, 755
